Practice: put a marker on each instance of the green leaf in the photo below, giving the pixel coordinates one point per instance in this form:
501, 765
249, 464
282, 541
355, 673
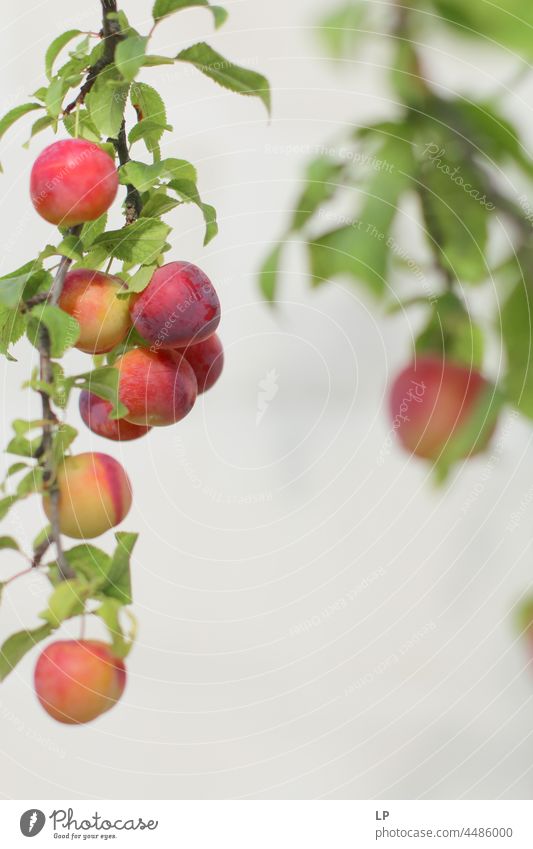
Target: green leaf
9, 542
129, 56
12, 327
64, 436
361, 249
140, 242
517, 333
152, 60
144, 176
162, 8
188, 192
12, 288
18, 645
38, 126
340, 30
268, 276
148, 103
118, 576
31, 483
158, 203
43, 535
85, 126
149, 130
507, 22
106, 102
104, 383
55, 49
91, 230
225, 73
322, 182
63, 329
110, 611
490, 134
473, 432
67, 600
140, 280
70, 247
88, 562
452, 333
6, 504
456, 210
54, 97
14, 114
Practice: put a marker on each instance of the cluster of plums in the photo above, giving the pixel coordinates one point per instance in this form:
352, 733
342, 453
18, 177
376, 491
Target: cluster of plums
434, 404
178, 356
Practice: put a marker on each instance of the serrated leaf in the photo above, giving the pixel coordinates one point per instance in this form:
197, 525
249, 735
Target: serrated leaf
163, 8
129, 56
106, 102
158, 203
148, 103
269, 273
140, 242
56, 47
225, 73
12, 288
149, 130
63, 329
12, 327
67, 600
18, 645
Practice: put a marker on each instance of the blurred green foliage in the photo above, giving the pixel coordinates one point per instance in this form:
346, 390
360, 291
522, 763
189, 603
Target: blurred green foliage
449, 152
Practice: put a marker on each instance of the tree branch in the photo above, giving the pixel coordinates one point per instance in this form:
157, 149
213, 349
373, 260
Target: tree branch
133, 203
50, 418
111, 35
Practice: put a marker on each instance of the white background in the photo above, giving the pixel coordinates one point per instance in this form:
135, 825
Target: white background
416, 685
